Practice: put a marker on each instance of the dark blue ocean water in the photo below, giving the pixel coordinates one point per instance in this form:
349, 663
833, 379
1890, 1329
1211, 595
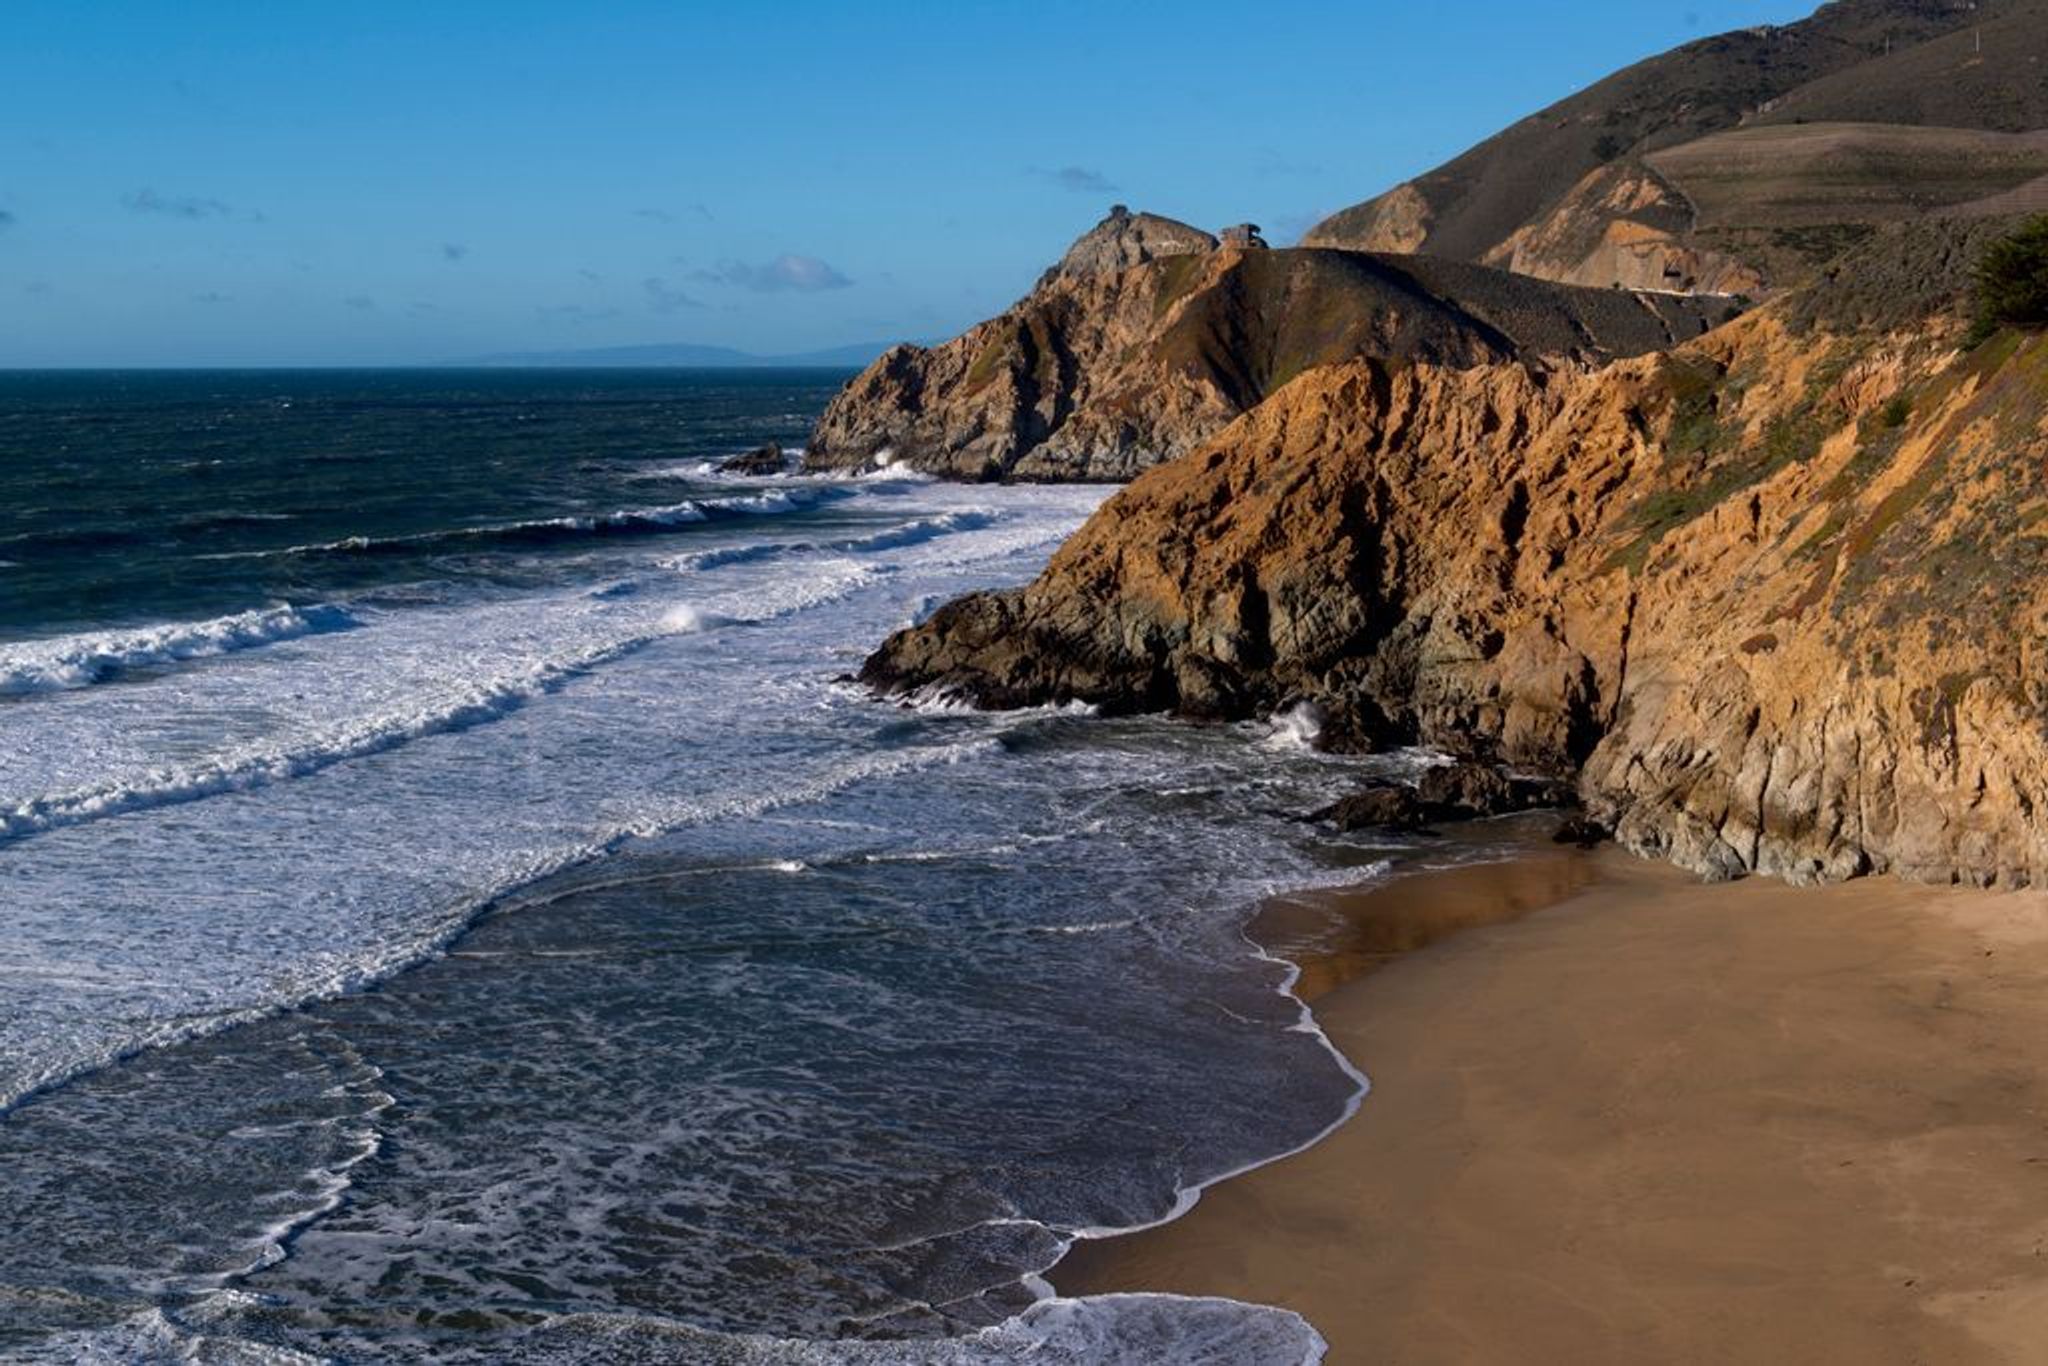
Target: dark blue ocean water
134, 496
452, 908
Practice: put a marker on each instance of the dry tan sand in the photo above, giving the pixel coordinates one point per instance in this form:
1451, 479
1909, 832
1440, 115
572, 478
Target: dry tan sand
1652, 1122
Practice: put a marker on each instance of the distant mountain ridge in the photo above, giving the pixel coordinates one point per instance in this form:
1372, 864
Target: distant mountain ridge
683, 354
1742, 162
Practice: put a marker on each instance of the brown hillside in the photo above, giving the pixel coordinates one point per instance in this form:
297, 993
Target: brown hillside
1813, 174
1712, 170
1472, 204
1990, 72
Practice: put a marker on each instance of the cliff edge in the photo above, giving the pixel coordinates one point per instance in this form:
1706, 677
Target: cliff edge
1773, 599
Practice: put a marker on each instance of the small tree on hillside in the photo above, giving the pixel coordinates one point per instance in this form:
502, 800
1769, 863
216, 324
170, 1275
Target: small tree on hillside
2012, 280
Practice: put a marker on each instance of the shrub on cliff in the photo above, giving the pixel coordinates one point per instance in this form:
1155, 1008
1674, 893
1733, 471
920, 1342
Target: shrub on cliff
2012, 280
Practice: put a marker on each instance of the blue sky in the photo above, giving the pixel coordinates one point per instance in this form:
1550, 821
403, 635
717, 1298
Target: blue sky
205, 182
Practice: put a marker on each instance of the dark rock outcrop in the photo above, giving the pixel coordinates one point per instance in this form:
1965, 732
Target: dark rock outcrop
1447, 792
763, 459
1581, 831
1375, 808
1460, 791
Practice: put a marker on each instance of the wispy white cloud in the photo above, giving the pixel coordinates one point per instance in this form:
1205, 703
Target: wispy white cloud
573, 313
663, 297
148, 201
692, 210
1079, 179
1272, 162
802, 274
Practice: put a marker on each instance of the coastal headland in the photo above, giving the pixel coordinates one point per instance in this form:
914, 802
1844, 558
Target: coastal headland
1680, 447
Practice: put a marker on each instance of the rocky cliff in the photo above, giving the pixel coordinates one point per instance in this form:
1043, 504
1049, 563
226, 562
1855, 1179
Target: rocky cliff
1150, 336
1773, 599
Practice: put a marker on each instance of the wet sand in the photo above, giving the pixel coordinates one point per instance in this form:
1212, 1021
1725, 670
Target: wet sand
1618, 1116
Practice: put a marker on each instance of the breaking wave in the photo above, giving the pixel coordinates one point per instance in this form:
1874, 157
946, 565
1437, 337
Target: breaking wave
79, 661
642, 521
259, 765
471, 702
915, 532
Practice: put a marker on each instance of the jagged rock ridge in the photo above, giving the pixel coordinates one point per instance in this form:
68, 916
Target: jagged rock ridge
1149, 336
1124, 239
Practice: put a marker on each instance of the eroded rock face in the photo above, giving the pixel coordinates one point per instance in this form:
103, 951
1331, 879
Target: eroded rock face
1774, 601
1625, 226
1125, 239
1149, 337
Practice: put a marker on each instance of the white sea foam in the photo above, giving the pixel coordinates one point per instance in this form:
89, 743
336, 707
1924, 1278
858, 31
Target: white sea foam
655, 518
304, 762
1298, 727
708, 471
158, 1338
688, 620
675, 514
731, 554
368, 795
77, 661
325, 976
937, 701
1097, 1330
942, 701
760, 504
445, 705
915, 532
468, 703
924, 529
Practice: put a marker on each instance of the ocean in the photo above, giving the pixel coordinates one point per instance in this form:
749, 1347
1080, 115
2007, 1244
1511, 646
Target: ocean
454, 905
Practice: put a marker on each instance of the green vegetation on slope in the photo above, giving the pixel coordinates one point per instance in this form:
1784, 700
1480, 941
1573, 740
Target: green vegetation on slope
2012, 280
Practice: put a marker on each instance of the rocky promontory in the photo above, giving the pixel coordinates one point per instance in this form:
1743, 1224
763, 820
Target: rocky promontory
1150, 336
1772, 600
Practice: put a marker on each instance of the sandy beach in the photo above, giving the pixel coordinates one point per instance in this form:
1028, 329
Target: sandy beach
1618, 1116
